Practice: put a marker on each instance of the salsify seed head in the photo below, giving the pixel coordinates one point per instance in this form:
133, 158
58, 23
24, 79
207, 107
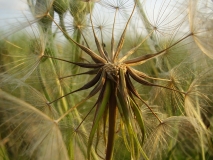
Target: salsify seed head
107, 79
113, 69
61, 6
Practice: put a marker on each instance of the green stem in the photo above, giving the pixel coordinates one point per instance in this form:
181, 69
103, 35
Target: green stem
42, 83
100, 112
62, 25
148, 26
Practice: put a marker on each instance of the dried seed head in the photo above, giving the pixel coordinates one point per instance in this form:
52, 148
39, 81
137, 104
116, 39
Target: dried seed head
60, 6
112, 70
41, 12
77, 8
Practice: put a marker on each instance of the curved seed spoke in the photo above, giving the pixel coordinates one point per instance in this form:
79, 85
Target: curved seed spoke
112, 39
86, 86
100, 50
138, 78
130, 86
143, 75
121, 41
74, 107
84, 65
133, 50
134, 106
144, 58
96, 58
144, 82
86, 116
99, 86
95, 71
134, 91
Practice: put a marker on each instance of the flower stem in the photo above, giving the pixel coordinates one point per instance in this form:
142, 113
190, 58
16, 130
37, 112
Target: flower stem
112, 124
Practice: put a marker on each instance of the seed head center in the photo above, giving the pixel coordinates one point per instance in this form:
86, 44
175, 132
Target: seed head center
113, 69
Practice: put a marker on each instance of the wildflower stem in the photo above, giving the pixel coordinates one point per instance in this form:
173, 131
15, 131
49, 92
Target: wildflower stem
42, 83
61, 19
50, 50
112, 122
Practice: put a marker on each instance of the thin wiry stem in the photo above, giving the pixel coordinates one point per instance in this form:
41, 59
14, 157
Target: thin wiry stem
85, 117
84, 38
132, 89
70, 110
61, 18
13, 44
151, 110
135, 48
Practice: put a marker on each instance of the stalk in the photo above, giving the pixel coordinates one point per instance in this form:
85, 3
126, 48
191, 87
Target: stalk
112, 124
64, 103
77, 38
